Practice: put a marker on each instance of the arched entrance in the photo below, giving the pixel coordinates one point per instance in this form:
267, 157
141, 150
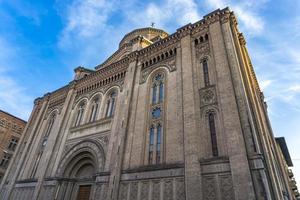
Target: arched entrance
78, 171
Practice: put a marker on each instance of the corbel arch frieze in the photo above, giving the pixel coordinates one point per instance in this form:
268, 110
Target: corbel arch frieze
91, 148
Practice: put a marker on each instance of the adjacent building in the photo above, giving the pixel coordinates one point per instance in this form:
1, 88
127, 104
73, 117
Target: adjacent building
167, 117
11, 128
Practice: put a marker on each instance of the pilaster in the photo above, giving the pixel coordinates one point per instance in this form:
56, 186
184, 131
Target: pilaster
191, 160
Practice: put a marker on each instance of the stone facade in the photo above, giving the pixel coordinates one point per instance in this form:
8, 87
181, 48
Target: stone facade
11, 128
173, 117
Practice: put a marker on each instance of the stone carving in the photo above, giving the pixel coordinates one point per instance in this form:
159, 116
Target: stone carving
208, 96
180, 190
156, 190
168, 190
145, 190
134, 191
209, 188
226, 187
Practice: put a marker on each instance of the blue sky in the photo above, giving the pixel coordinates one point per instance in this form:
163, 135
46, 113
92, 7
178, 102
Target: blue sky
41, 42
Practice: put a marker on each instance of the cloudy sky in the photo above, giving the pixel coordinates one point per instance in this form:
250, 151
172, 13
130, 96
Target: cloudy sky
41, 42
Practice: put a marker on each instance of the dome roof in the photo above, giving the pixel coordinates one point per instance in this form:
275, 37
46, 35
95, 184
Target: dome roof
148, 33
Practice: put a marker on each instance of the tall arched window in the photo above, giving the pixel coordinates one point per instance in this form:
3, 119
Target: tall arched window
44, 142
80, 112
156, 116
158, 143
151, 144
154, 91
110, 104
205, 72
158, 81
94, 109
48, 129
213, 133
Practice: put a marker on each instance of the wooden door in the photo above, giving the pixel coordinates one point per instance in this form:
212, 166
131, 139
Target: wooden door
84, 192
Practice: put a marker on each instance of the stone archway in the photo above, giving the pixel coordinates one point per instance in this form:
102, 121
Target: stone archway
78, 170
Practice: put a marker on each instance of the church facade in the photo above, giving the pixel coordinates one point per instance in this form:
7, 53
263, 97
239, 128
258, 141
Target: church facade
166, 117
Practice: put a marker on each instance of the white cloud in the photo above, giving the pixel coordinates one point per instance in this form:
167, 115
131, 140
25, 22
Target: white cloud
264, 84
166, 13
13, 97
86, 18
246, 11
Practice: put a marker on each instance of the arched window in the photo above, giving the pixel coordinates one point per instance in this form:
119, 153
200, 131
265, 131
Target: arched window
151, 145
156, 118
213, 134
48, 129
110, 104
80, 112
44, 142
158, 144
154, 91
94, 109
158, 81
205, 73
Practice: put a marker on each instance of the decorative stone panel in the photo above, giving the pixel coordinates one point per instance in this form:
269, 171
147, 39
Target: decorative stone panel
179, 188
208, 96
218, 187
209, 188
153, 189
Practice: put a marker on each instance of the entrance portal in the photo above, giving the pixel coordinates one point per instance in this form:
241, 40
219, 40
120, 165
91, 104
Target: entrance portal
84, 192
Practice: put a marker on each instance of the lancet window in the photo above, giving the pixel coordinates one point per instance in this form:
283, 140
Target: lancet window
80, 112
110, 104
205, 72
49, 127
213, 133
155, 134
94, 109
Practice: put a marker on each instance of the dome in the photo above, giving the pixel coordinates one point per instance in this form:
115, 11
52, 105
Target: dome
148, 33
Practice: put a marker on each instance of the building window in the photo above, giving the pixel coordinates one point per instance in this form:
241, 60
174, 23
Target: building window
205, 73
94, 109
158, 144
213, 134
5, 160
154, 91
151, 144
12, 144
156, 117
49, 128
158, 81
50, 124
80, 112
110, 104
155, 138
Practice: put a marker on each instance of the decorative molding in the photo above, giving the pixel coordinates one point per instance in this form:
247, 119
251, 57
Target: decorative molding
208, 96
170, 65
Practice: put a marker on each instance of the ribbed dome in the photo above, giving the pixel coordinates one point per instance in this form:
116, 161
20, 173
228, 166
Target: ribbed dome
148, 33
